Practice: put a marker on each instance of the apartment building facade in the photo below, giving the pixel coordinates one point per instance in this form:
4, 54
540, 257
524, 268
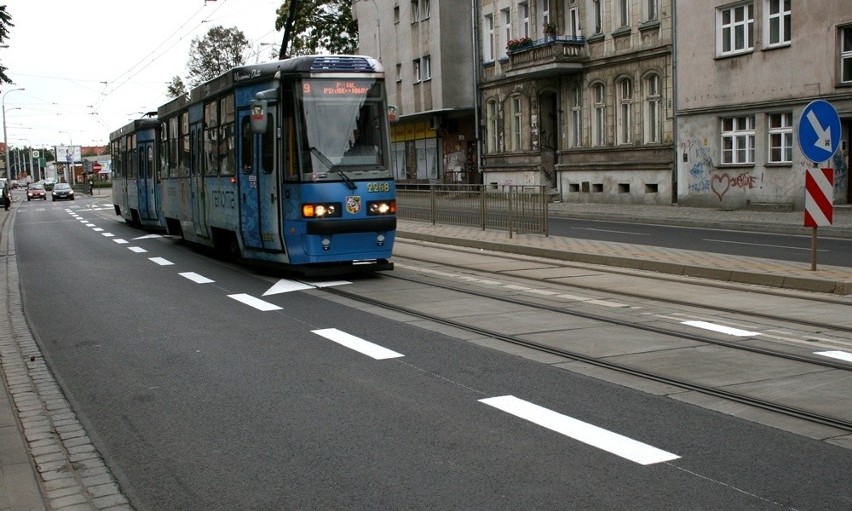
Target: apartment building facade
695, 102
576, 96
745, 71
426, 49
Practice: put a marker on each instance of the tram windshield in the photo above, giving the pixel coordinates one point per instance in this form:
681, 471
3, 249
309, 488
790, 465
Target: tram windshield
343, 131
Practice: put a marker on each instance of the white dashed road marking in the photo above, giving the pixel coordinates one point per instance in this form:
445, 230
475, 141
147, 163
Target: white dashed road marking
841, 355
257, 303
198, 279
356, 343
614, 443
720, 328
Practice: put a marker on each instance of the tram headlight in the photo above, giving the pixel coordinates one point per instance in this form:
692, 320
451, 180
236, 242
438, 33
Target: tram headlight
381, 207
320, 209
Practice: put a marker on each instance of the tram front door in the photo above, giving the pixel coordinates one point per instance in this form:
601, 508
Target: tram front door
260, 198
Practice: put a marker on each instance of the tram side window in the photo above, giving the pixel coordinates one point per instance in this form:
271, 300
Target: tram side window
247, 155
164, 151
173, 147
150, 162
268, 145
211, 129
116, 159
184, 145
132, 158
226, 136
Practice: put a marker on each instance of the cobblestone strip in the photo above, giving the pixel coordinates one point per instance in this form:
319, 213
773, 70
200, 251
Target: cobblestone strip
72, 474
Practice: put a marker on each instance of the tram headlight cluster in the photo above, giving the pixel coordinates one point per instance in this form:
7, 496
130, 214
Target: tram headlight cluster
321, 210
381, 207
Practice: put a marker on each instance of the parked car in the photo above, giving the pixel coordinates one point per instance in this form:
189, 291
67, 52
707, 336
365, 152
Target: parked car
62, 191
36, 191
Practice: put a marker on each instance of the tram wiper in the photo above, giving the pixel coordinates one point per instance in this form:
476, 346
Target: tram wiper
345, 176
333, 168
323, 158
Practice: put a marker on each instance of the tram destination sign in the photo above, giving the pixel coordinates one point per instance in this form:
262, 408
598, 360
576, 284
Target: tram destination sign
358, 88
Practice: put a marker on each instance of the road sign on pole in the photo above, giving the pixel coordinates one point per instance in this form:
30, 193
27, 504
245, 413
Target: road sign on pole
819, 195
819, 138
819, 131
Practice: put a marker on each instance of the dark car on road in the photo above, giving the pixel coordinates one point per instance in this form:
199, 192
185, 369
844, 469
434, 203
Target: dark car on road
62, 191
36, 191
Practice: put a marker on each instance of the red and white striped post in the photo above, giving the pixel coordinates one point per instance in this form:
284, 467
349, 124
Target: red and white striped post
819, 196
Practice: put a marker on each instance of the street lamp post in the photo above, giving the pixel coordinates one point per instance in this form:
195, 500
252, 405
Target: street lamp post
5, 139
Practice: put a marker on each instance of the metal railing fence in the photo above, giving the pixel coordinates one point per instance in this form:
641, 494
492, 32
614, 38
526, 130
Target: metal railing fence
512, 208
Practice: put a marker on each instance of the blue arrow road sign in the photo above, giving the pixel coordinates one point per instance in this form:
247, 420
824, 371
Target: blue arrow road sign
819, 131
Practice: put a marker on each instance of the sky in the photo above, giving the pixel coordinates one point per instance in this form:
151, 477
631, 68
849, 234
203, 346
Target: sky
89, 67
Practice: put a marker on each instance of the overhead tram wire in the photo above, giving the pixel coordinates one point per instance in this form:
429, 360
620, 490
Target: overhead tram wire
113, 85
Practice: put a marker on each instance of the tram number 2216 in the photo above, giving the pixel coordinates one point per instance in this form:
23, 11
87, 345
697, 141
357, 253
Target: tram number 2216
378, 187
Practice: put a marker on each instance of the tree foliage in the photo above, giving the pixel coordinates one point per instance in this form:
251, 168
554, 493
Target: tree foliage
176, 87
321, 26
215, 53
5, 25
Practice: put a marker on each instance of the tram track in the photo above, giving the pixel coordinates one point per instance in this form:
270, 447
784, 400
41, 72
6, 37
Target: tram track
811, 416
820, 298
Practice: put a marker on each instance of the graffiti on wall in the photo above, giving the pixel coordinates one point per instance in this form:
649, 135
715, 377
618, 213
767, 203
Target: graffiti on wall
720, 184
704, 177
841, 174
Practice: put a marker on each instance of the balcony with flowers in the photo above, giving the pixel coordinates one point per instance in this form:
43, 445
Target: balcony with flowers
550, 55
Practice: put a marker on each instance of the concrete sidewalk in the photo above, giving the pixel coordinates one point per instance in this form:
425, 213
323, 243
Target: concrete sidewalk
722, 267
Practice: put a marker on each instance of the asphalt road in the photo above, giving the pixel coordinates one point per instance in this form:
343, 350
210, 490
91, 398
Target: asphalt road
784, 247
197, 398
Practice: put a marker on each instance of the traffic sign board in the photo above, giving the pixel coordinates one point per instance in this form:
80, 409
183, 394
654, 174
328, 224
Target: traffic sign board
819, 195
819, 131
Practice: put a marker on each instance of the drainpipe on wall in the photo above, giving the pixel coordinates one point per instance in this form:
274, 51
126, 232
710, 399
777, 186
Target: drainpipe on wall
674, 103
474, 35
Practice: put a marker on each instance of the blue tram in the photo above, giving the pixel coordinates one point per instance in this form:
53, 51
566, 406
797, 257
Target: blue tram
284, 163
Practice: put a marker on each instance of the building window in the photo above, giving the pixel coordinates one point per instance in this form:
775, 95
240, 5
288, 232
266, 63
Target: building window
424, 9
597, 16
846, 55
417, 76
651, 10
517, 118
492, 123
396, 14
735, 29
426, 68
576, 117
599, 118
653, 110
623, 13
574, 22
506, 17
488, 39
399, 72
777, 22
738, 140
524, 11
625, 112
415, 11
544, 11
780, 138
